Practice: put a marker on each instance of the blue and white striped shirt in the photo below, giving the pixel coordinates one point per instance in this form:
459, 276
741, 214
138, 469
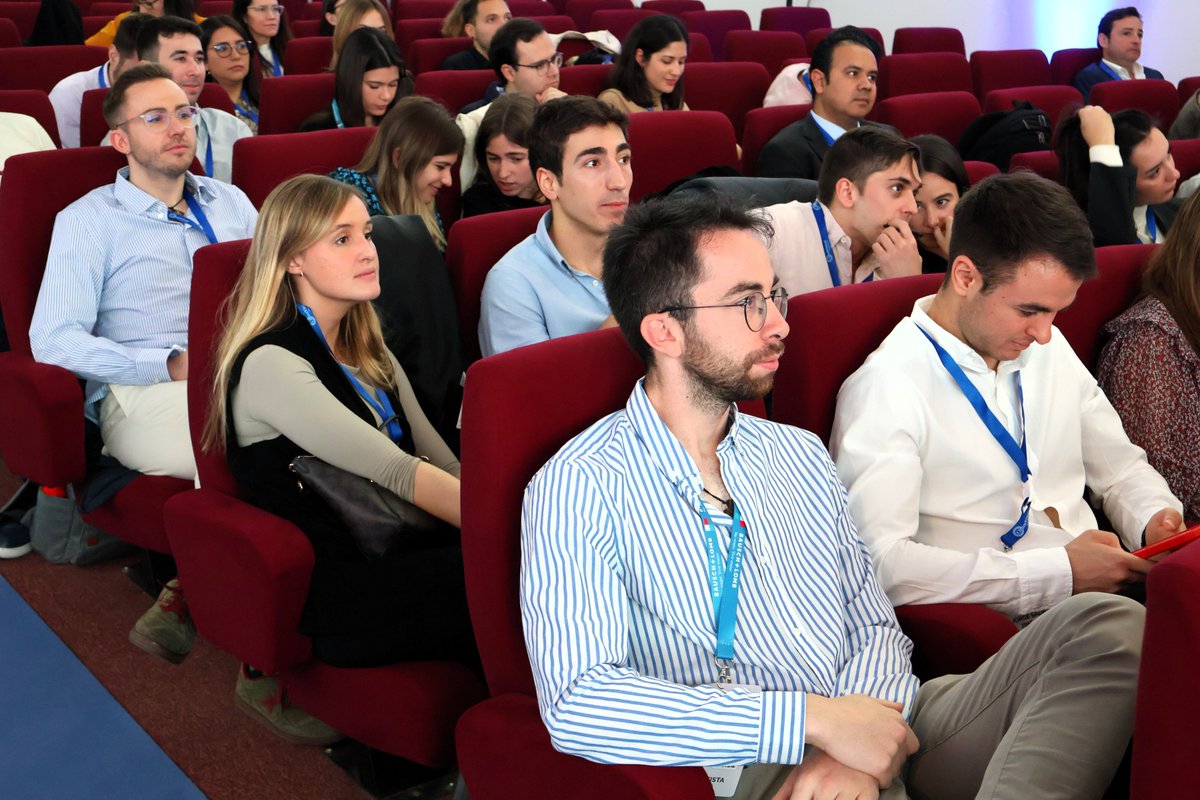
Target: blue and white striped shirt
114, 299
619, 620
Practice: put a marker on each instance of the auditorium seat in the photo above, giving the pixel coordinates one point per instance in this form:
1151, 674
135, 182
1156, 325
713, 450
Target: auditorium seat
1040, 162
673, 7
427, 55
798, 19
111, 8
308, 55
699, 48
93, 25
23, 15
1158, 98
816, 35
978, 170
260, 163
32, 103
556, 23
760, 126
305, 28
1187, 88
247, 574
928, 40
769, 48
585, 79
532, 8
731, 87
311, 11
915, 73
1004, 69
409, 30
945, 113
287, 101
581, 10
714, 25
209, 8
660, 161
454, 88
1186, 153
618, 21
1051, 99
10, 35
1065, 64
1103, 298
43, 67
93, 128
473, 247
422, 9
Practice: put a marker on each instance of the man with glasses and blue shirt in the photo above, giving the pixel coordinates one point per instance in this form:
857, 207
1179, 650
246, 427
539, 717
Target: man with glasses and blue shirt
113, 305
694, 593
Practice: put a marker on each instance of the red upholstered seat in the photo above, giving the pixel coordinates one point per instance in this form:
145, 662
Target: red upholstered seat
10, 34
1004, 69
1103, 298
1158, 98
978, 170
410, 30
661, 161
210, 8
585, 79
769, 48
260, 163
23, 15
1187, 88
305, 28
427, 55
454, 88
532, 8
1051, 99
945, 113
798, 19
815, 35
422, 9
556, 23
760, 127
288, 100
110, 7
673, 7
43, 67
699, 48
1065, 64
1040, 162
618, 21
247, 573
32, 103
715, 24
310, 11
581, 10
1186, 153
473, 247
308, 55
917, 73
928, 40
93, 128
93, 25
731, 87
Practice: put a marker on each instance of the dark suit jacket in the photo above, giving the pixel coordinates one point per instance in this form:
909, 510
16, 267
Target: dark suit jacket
797, 151
1092, 74
1111, 198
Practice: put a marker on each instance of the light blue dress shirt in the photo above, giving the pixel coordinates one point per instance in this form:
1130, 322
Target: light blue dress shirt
618, 617
115, 295
533, 294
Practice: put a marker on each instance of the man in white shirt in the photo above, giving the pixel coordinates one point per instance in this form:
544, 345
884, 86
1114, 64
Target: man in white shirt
857, 230
1120, 39
67, 94
967, 439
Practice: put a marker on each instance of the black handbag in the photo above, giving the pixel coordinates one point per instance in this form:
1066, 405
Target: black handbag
374, 516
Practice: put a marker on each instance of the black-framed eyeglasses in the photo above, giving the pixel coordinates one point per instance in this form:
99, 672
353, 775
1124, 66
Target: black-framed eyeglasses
754, 307
226, 49
543, 67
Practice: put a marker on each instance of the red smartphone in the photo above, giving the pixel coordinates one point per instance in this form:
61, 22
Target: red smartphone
1173, 542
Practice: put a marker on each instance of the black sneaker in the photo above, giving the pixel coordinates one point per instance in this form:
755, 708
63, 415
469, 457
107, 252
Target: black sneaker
14, 540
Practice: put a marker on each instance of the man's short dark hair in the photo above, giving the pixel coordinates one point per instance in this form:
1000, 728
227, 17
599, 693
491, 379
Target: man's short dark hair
114, 101
555, 121
125, 39
503, 49
861, 153
1008, 219
652, 259
1106, 22
822, 54
165, 27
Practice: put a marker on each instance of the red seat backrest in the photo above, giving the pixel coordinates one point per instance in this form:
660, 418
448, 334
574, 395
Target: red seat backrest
209, 8
1065, 64
945, 113
309, 12
43, 67
1040, 162
1004, 69
288, 100
23, 15
93, 128
409, 30
532, 8
715, 25
618, 21
978, 170
798, 19
109, 7
556, 23
660, 161
928, 40
1187, 88
769, 48
305, 28
427, 55
10, 34
815, 35
260, 163
916, 73
1103, 298
731, 87
473, 247
32, 103
761, 125
1051, 99
581, 10
673, 7
422, 9
93, 25
454, 88
585, 79
1158, 98
699, 48
1186, 153
308, 55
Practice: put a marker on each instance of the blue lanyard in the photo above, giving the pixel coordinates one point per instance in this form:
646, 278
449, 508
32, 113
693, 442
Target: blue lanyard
208, 159
1151, 226
1005, 439
379, 401
103, 76
724, 584
825, 134
337, 114
830, 261
201, 222
276, 68
245, 110
1111, 72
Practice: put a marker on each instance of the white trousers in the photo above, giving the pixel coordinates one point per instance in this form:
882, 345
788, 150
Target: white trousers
146, 428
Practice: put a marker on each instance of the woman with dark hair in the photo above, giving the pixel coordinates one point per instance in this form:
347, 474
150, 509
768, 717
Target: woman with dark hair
232, 63
329, 10
1120, 171
502, 144
269, 29
355, 14
409, 162
371, 76
649, 72
1150, 366
184, 9
943, 182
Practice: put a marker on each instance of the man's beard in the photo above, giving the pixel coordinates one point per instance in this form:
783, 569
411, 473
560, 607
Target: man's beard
714, 384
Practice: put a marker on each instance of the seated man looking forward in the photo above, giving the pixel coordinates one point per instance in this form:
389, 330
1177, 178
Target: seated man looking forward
693, 590
1119, 37
549, 285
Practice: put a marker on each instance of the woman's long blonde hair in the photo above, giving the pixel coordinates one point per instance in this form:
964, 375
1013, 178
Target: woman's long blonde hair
294, 217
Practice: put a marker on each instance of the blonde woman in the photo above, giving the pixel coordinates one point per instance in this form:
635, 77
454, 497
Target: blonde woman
302, 369
408, 162
355, 14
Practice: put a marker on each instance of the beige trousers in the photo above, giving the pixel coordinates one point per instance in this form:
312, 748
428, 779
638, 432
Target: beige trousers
146, 428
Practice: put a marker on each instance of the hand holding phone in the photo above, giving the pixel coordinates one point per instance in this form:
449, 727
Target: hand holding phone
1169, 544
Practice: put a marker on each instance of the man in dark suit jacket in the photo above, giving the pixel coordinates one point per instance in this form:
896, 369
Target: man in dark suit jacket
1120, 39
842, 80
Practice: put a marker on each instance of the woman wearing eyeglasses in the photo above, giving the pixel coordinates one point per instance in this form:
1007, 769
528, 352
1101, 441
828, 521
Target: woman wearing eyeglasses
355, 14
269, 29
231, 64
155, 8
371, 76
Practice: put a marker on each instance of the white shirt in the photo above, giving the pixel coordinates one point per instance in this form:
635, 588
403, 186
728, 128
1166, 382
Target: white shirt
798, 256
931, 490
469, 125
67, 99
1138, 72
21, 134
222, 129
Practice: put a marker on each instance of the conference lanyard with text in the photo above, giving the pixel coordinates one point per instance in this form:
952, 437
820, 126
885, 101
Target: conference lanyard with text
723, 585
200, 223
337, 114
245, 110
377, 400
830, 261
1005, 439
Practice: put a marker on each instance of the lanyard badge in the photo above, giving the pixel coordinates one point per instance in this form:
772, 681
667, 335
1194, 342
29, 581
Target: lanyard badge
723, 585
200, 223
827, 246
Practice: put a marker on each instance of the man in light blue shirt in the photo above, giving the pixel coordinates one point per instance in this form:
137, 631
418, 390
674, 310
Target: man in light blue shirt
694, 592
550, 285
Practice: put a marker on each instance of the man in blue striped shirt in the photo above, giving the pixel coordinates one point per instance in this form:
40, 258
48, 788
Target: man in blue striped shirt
694, 592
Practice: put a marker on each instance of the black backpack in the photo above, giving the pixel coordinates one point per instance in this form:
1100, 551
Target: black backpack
999, 135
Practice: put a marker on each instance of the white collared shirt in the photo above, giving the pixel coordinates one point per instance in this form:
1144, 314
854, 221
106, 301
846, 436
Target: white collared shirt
67, 99
1138, 72
931, 490
834, 130
798, 256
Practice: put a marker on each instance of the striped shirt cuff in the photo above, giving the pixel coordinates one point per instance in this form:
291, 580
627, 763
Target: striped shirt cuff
151, 364
781, 736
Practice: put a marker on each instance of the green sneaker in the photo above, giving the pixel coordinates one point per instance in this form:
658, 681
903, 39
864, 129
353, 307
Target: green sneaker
166, 630
265, 701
